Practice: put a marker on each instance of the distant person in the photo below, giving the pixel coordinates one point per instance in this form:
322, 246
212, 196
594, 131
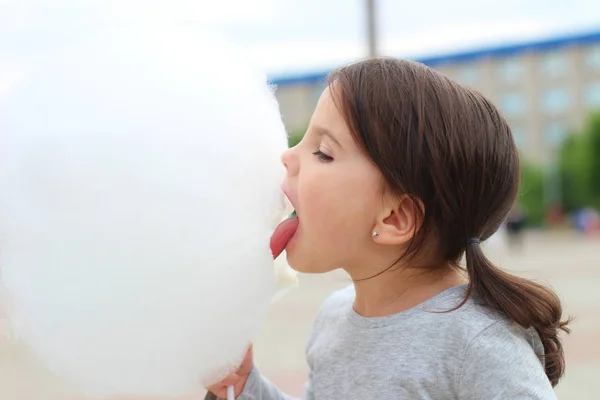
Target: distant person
555, 215
515, 225
402, 172
586, 220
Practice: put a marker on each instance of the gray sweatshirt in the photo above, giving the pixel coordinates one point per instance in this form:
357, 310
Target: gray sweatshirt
419, 354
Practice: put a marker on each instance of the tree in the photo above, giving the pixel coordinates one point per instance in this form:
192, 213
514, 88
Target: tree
295, 137
593, 173
574, 166
531, 195
580, 167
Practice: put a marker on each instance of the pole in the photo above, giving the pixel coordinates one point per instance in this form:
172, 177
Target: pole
372, 27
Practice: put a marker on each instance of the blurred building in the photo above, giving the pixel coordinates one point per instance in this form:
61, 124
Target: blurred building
545, 88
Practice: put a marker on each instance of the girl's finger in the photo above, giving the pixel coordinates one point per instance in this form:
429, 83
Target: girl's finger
230, 380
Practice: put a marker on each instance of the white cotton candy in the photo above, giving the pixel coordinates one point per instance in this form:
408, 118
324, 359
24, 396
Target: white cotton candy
140, 183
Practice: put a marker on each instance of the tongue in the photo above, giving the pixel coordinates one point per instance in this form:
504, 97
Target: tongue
282, 235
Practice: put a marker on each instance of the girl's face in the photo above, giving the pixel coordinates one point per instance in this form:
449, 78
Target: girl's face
337, 193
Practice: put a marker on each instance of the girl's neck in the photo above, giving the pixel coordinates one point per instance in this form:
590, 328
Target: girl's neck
398, 290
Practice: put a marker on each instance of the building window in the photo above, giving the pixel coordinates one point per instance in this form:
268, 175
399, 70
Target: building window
510, 70
592, 58
555, 101
520, 136
468, 75
512, 104
553, 64
591, 95
555, 133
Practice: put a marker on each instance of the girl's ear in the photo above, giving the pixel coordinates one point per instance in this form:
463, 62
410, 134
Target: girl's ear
399, 220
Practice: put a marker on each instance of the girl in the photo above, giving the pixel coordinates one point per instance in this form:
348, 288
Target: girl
401, 173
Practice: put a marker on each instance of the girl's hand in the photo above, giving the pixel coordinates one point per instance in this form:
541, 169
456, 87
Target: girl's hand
238, 379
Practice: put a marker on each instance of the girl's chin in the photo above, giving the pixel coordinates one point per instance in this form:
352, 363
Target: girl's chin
297, 263
304, 265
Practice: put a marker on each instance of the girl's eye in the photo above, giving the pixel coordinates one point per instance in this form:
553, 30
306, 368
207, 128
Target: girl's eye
322, 156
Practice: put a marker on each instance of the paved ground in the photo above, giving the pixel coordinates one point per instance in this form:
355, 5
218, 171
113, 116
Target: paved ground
571, 264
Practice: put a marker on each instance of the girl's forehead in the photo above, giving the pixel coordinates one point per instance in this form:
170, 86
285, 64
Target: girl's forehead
327, 113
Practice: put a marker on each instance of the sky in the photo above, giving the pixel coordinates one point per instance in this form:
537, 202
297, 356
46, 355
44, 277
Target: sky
304, 35
287, 37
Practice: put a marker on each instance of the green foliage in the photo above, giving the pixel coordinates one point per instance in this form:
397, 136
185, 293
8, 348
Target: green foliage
295, 137
580, 167
593, 173
531, 196
574, 171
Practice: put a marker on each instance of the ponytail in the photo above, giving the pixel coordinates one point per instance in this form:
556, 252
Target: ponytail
523, 301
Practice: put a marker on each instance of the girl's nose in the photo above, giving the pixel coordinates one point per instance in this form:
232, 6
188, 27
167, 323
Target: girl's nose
289, 159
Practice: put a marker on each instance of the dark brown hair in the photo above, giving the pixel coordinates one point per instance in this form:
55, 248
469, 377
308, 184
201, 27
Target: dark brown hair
449, 148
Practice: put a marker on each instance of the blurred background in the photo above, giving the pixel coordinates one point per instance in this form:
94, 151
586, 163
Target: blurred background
539, 61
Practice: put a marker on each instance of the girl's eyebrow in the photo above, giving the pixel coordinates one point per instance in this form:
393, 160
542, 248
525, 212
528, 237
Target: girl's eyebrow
321, 131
